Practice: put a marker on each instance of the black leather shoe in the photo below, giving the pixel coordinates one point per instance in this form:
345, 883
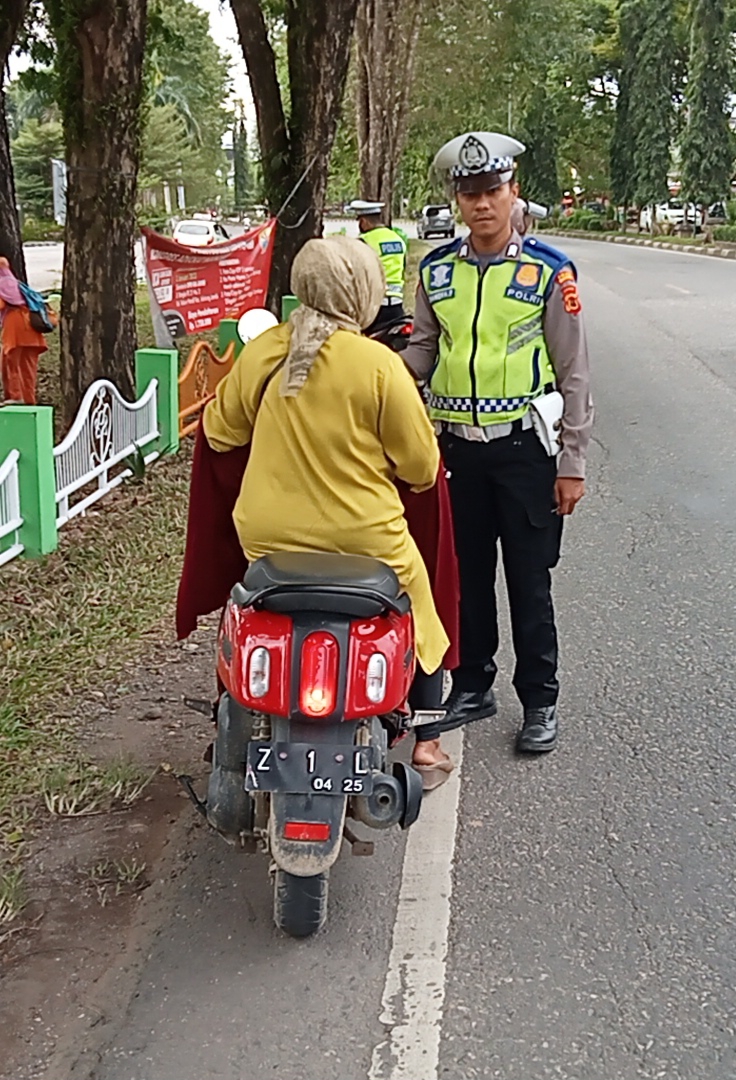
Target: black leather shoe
539, 732
465, 705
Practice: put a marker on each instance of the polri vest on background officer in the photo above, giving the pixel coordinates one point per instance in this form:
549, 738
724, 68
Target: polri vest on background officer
391, 249
498, 334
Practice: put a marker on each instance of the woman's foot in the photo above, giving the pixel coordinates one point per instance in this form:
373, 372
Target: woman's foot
432, 763
429, 752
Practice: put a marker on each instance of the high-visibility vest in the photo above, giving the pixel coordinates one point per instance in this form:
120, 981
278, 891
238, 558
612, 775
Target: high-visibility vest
493, 358
391, 250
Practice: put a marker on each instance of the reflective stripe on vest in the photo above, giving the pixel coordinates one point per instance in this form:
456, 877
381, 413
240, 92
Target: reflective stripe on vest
493, 358
391, 250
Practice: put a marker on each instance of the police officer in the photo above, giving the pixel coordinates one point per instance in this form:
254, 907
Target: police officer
498, 323
390, 248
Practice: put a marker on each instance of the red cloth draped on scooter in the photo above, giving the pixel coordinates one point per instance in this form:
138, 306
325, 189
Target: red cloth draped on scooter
214, 559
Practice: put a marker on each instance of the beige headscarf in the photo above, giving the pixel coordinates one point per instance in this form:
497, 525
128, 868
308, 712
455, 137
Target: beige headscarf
339, 283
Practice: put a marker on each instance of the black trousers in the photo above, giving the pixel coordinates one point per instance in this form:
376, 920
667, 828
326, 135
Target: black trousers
504, 491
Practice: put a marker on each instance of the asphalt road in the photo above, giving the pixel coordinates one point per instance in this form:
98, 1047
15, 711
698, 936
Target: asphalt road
590, 932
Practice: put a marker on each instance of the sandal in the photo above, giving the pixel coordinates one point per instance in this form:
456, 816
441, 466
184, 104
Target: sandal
433, 776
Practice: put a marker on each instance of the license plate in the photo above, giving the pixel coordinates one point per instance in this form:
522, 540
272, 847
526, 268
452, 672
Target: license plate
300, 769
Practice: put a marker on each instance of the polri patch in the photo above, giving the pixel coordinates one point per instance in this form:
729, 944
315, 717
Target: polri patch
526, 296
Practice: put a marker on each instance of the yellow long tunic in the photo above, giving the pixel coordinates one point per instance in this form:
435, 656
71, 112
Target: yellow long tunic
321, 466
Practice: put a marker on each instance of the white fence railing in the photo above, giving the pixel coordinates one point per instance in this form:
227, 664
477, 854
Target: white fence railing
10, 516
108, 429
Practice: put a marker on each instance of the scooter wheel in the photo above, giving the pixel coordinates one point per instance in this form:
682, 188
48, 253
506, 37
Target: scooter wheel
299, 903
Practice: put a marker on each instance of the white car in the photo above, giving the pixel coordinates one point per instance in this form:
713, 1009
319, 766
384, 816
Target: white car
199, 233
671, 212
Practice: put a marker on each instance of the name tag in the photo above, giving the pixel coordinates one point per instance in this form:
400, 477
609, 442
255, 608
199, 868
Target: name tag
526, 296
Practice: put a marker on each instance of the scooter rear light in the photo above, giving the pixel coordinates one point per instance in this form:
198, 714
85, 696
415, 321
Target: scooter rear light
307, 830
375, 679
318, 687
259, 673
407, 330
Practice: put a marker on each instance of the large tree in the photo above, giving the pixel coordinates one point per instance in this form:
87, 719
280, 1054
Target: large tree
100, 48
387, 35
707, 143
295, 131
651, 104
11, 19
623, 142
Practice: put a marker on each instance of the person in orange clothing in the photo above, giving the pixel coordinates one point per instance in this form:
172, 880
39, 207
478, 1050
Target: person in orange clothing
20, 345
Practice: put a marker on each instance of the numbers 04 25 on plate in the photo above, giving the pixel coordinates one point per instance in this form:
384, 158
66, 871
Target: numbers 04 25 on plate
299, 768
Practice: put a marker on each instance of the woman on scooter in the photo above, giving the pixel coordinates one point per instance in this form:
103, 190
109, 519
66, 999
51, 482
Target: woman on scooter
338, 421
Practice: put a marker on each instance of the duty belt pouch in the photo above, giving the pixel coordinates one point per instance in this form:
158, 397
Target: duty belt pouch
546, 413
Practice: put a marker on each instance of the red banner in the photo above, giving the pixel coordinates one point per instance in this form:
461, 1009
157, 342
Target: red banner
196, 287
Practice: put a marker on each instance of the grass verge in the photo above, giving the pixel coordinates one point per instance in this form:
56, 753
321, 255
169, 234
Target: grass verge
72, 621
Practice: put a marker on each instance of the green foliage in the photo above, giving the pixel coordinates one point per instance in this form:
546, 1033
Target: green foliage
707, 143
32, 150
35, 231
726, 233
241, 166
538, 166
187, 77
651, 110
585, 220
623, 141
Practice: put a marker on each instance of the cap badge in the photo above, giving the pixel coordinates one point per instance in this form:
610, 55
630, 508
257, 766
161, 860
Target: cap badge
474, 155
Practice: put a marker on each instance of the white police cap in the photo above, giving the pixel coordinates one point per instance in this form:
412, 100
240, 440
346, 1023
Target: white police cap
483, 154
359, 207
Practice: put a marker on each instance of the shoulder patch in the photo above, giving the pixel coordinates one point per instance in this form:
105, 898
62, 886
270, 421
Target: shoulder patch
441, 252
549, 255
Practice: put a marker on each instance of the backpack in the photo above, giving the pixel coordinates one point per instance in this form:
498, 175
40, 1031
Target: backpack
38, 310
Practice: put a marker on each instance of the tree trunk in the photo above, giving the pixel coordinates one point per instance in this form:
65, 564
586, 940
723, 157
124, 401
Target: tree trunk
11, 245
102, 55
295, 152
387, 33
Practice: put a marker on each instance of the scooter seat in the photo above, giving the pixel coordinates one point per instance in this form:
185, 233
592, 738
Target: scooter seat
314, 568
315, 581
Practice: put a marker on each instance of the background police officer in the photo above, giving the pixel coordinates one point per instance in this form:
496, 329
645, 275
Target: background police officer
497, 324
391, 249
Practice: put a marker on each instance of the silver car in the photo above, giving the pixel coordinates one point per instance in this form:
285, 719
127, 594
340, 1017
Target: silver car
436, 220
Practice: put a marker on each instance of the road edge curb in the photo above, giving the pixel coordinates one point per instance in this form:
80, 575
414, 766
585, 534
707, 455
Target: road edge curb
635, 241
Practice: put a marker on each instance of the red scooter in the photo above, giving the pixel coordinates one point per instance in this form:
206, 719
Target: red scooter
315, 660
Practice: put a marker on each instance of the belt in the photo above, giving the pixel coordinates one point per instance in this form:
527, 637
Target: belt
488, 433
392, 301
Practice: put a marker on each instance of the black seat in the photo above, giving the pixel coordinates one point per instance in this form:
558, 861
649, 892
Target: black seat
314, 581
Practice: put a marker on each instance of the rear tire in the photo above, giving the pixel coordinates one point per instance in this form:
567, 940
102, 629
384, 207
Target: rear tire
299, 903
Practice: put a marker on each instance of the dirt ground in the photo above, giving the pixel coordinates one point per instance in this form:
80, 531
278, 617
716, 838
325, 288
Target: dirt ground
95, 882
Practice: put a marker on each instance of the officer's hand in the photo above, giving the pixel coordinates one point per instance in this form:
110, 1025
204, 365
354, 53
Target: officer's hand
569, 490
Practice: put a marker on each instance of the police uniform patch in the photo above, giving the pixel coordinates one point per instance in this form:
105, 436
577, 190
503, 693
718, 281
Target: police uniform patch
440, 275
528, 275
569, 288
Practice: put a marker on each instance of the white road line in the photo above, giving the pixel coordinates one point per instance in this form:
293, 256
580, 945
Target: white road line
414, 992
678, 289
624, 270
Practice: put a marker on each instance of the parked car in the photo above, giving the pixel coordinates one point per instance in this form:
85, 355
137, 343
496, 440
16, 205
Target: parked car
716, 214
673, 212
436, 220
200, 232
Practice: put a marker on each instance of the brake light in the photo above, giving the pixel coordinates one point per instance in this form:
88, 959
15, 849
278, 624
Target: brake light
318, 687
306, 830
407, 330
375, 678
259, 673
